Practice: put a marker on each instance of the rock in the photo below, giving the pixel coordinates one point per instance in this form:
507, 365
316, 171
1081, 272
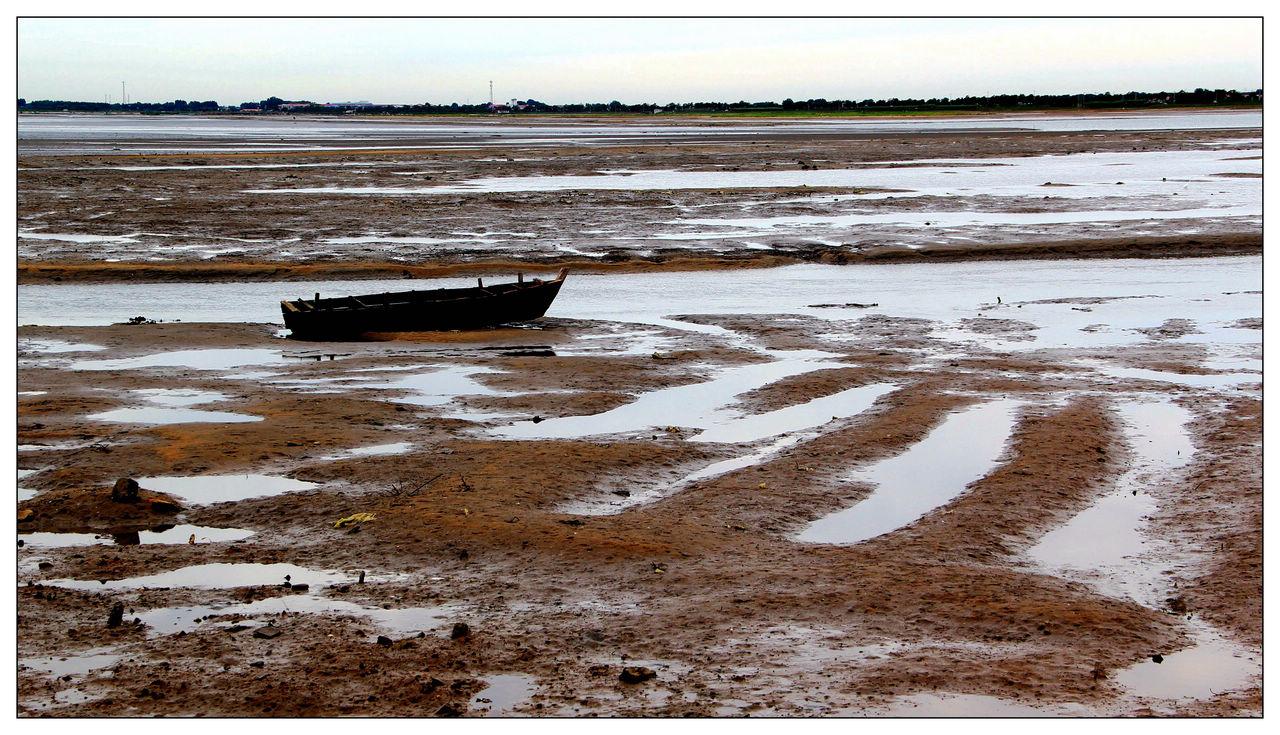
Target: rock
268, 632
1158, 658
384, 641
449, 710
125, 490
301, 587
26, 514
460, 630
45, 565
622, 493
636, 674
116, 616
160, 505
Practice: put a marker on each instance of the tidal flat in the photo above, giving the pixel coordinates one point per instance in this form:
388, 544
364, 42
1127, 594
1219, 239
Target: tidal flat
765, 325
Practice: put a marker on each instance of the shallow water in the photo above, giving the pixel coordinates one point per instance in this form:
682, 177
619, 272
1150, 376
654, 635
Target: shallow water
223, 576
1088, 175
699, 405
504, 692
160, 416
397, 621
1106, 544
950, 704
1211, 665
59, 666
799, 417
1213, 292
172, 406
180, 534
54, 346
213, 359
209, 489
54, 134
377, 450
930, 474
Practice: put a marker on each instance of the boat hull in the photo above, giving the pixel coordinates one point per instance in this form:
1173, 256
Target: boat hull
349, 318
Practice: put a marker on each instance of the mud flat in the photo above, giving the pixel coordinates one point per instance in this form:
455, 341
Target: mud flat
597, 492
433, 198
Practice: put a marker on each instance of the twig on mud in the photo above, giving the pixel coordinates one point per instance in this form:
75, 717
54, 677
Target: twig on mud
398, 491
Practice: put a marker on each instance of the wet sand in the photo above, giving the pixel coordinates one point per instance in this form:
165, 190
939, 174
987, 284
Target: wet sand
571, 559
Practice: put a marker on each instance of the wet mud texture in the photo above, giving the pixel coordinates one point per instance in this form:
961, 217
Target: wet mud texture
195, 217
704, 586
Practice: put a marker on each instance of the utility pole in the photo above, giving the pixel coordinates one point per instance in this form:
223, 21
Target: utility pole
490, 91
124, 97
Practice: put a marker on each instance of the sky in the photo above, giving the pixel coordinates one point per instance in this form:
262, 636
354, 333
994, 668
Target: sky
632, 60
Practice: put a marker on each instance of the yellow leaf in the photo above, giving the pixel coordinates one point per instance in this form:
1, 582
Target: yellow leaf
353, 519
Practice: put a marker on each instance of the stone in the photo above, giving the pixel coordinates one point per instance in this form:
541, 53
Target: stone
268, 632
636, 674
460, 630
125, 490
160, 505
116, 616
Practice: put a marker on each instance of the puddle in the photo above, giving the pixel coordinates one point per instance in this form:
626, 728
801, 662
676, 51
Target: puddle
736, 463
1218, 381
785, 426
58, 666
219, 359
925, 477
802, 416
180, 534
379, 450
75, 696
223, 576
438, 387
161, 416
1106, 545
1211, 666
54, 346
699, 405
397, 621
172, 406
504, 692
178, 396
208, 489
947, 704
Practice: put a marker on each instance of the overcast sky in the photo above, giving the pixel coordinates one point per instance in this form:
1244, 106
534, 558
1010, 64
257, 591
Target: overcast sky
443, 60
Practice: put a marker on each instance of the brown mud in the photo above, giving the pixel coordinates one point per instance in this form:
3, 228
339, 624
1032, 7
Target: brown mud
701, 583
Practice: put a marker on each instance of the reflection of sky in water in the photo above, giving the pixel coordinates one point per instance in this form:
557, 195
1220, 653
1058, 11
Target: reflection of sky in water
1189, 174
398, 621
928, 475
180, 534
220, 576
94, 132
1212, 292
207, 489
1106, 544
700, 405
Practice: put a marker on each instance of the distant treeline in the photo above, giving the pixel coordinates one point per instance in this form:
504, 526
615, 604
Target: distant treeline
1103, 101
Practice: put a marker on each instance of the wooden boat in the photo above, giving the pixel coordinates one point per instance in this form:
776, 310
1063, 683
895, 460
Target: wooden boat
442, 309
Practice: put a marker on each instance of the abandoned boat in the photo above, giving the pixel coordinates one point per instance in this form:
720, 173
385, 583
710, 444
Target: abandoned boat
442, 309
